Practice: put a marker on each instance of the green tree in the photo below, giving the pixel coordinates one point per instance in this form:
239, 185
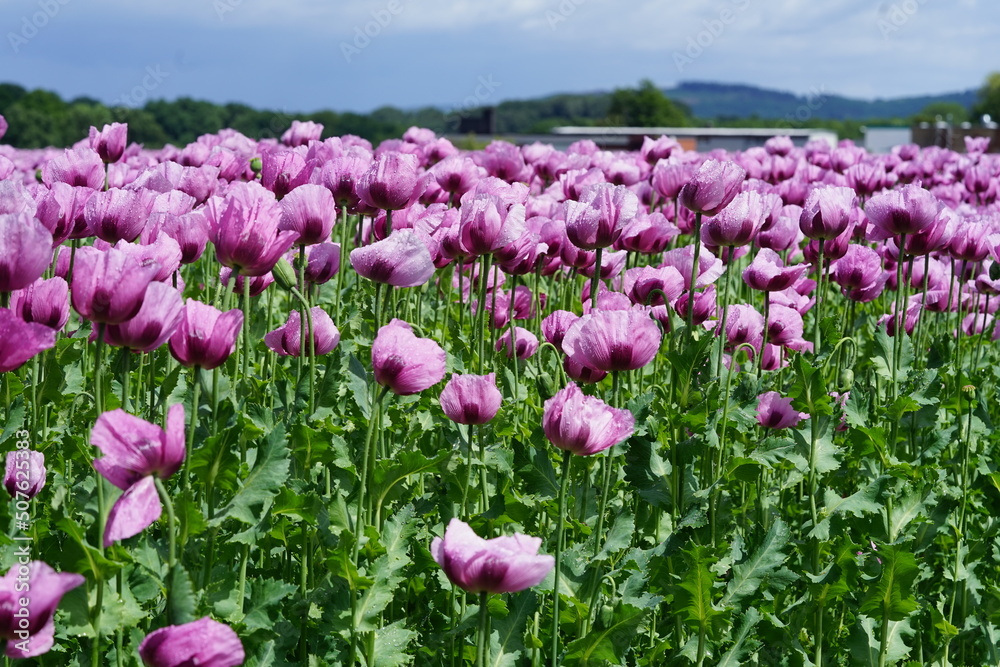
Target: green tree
989, 98
951, 111
645, 106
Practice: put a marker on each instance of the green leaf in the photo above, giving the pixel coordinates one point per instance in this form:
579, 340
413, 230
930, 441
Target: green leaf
357, 380
407, 462
749, 575
863, 502
265, 480
391, 643
181, 598
648, 472
605, 644
264, 594
619, 537
743, 642
385, 571
506, 640
865, 642
892, 596
907, 509
693, 596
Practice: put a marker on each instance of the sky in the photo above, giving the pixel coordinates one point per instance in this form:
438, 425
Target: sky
357, 55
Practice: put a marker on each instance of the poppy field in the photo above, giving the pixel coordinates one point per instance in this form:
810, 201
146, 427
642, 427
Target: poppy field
317, 402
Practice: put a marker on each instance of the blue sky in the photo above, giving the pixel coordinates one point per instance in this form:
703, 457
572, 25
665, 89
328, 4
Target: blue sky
305, 55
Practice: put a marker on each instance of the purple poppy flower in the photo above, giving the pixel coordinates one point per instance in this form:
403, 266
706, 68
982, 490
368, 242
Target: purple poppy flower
712, 187
285, 340
500, 565
301, 133
322, 262
245, 229
776, 412
205, 642
118, 215
405, 363
768, 273
191, 231
705, 305
25, 250
785, 328
471, 399
649, 286
282, 171
110, 141
827, 212
135, 450
205, 336
390, 184
457, 174
597, 220
859, 273
518, 342
744, 325
61, 210
25, 474
155, 322
36, 589
907, 210
555, 324
613, 340
20, 340
488, 223
783, 231
79, 167
709, 266
737, 224
401, 260
3, 126
340, 175
308, 210
503, 160
584, 425
647, 234
109, 286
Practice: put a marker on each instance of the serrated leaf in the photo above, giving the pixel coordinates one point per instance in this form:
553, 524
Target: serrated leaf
748, 575
264, 594
357, 380
506, 640
265, 480
742, 643
648, 472
391, 643
862, 502
605, 644
181, 598
865, 642
619, 537
892, 596
908, 509
384, 573
405, 463
693, 596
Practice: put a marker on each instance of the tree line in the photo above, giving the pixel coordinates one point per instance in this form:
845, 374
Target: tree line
39, 118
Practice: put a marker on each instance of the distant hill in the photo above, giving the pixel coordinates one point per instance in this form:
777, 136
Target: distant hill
735, 101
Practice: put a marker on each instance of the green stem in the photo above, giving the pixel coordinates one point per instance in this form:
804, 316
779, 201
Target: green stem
595, 282
193, 425
694, 273
483, 639
171, 521
819, 297
560, 531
